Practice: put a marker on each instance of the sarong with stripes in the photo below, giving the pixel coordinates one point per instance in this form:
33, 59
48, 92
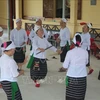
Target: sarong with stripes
12, 91
38, 69
76, 88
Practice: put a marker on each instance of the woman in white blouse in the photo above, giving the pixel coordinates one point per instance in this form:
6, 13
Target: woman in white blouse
86, 43
9, 72
75, 63
38, 69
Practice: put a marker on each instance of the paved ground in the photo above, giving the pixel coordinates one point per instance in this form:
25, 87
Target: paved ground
54, 86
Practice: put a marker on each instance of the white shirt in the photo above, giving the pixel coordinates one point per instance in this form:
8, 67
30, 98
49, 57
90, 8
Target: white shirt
64, 36
8, 68
75, 61
41, 43
0, 47
18, 37
33, 34
86, 41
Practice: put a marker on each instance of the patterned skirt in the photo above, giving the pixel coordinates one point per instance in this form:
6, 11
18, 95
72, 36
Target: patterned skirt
19, 55
12, 90
76, 88
38, 69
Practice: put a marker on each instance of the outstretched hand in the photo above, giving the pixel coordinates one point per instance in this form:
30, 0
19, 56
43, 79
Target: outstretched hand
59, 51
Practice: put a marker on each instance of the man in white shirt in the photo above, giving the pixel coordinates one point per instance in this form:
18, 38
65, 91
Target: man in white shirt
64, 39
86, 43
19, 37
38, 23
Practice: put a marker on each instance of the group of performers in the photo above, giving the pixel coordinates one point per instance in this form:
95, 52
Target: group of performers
74, 61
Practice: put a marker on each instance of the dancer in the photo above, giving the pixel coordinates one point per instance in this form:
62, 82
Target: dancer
75, 63
86, 43
1, 33
38, 68
9, 72
64, 39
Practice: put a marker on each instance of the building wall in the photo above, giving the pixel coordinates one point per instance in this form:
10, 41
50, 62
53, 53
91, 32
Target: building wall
91, 13
3, 12
33, 8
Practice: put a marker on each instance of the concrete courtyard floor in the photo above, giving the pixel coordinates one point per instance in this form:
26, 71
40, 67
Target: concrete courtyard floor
53, 88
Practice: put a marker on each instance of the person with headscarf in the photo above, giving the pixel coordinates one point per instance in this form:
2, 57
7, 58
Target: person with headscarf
19, 37
64, 39
9, 72
40, 44
86, 42
1, 33
76, 76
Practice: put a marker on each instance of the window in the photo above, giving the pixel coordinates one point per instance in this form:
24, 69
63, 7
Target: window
93, 2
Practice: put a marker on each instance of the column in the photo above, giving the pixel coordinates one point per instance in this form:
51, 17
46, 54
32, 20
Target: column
63, 12
18, 6
73, 15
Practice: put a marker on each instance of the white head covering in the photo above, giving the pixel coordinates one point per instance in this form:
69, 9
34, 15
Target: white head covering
89, 25
74, 39
64, 20
1, 29
17, 20
38, 19
36, 28
11, 46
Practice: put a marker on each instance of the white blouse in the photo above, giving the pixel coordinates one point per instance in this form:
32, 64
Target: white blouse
18, 37
75, 61
41, 43
86, 41
0, 47
8, 69
64, 36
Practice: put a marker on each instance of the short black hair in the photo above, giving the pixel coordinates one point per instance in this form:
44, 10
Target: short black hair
78, 39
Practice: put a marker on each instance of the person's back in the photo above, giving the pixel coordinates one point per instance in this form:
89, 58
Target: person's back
78, 58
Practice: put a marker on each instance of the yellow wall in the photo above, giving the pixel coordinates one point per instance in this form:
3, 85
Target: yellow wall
3, 12
91, 13
33, 8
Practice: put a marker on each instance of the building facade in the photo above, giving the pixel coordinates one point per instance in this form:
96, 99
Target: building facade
76, 11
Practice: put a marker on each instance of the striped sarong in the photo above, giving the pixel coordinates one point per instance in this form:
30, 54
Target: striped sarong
12, 90
38, 69
76, 88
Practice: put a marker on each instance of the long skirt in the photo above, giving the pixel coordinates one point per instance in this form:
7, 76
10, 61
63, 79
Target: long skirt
12, 90
88, 58
76, 88
38, 69
19, 55
64, 50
